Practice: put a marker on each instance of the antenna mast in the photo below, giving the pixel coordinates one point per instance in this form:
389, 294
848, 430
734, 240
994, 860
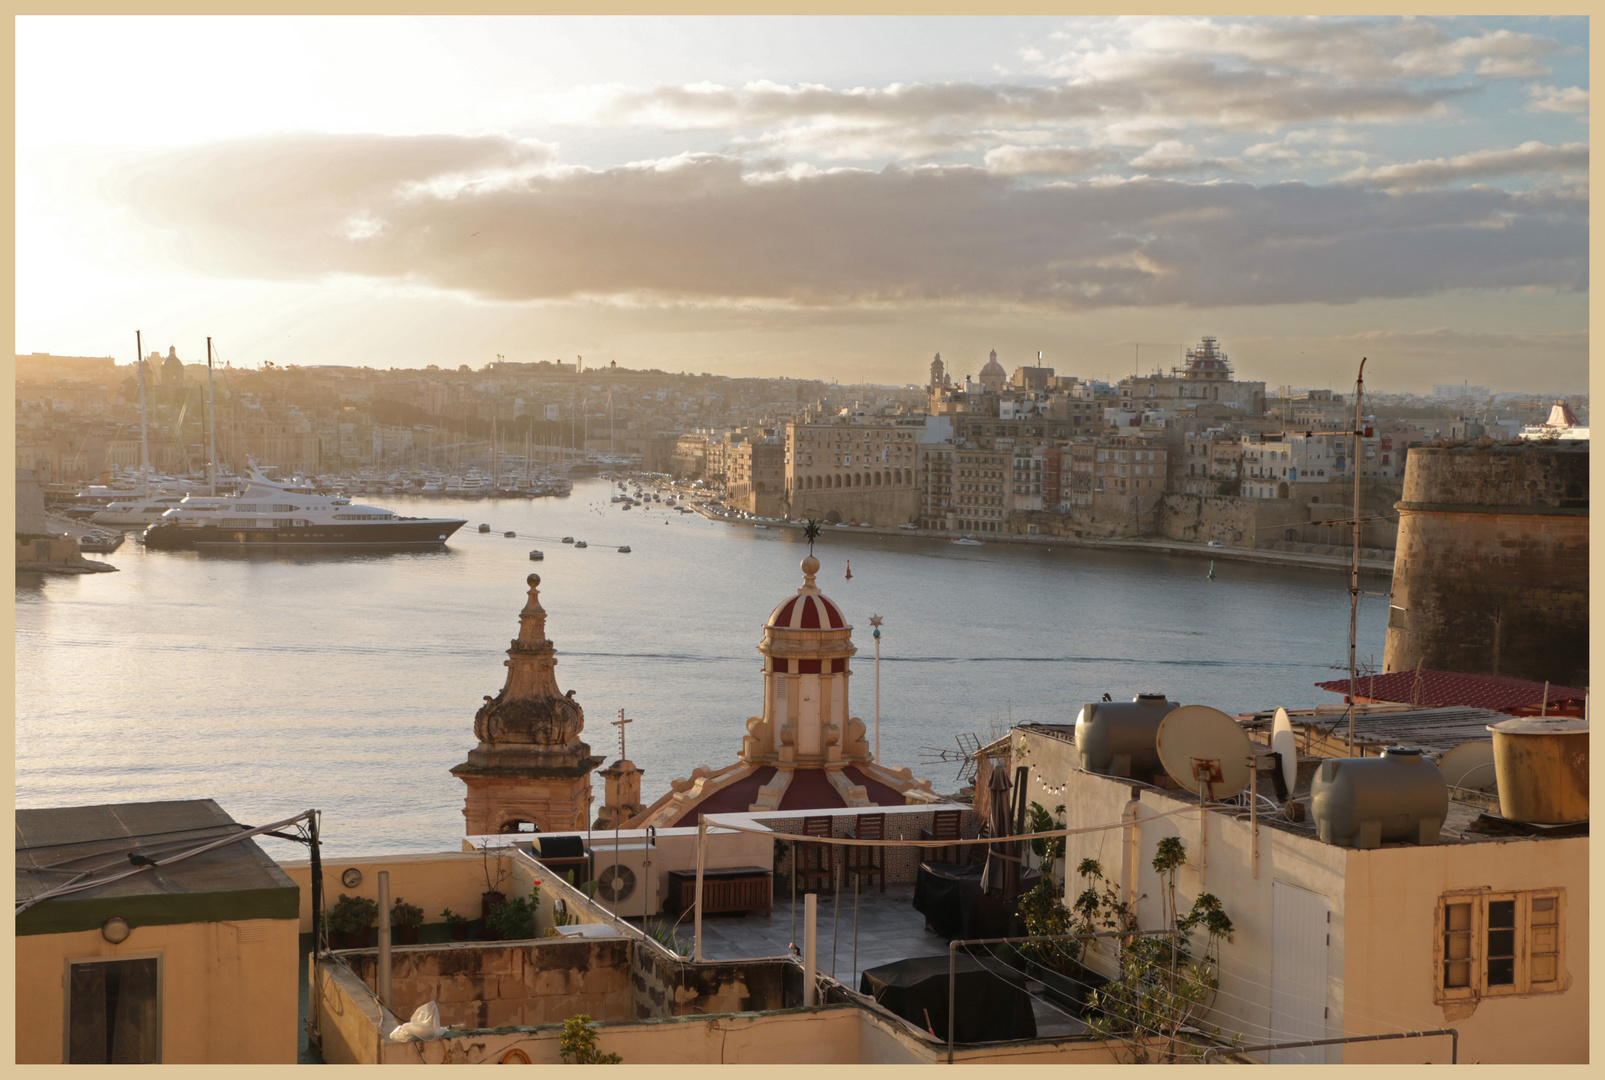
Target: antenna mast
211, 427
144, 444
1354, 566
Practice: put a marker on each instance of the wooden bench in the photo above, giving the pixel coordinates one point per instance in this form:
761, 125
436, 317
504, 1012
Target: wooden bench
728, 888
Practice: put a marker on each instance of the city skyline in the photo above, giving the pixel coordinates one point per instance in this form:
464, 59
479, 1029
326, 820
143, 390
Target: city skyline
821, 198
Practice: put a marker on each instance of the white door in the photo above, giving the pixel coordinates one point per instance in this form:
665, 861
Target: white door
1301, 937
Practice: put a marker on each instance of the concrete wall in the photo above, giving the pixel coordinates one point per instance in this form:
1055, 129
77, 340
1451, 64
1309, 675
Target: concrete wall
228, 989
1392, 900
1491, 575
434, 882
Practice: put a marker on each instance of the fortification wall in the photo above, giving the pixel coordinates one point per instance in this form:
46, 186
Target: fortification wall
1491, 571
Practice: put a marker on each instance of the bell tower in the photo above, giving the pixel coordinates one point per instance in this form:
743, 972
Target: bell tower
530, 766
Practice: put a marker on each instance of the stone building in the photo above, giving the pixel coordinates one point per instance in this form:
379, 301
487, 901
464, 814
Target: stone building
855, 466
1490, 576
530, 767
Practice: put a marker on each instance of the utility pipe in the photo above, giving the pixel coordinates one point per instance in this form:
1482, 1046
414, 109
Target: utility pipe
810, 947
381, 979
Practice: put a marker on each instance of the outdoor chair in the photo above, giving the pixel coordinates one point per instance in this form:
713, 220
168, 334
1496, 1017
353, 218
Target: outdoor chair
868, 861
945, 825
816, 862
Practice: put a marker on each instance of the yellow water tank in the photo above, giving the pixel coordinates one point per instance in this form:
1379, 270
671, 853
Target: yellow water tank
1542, 764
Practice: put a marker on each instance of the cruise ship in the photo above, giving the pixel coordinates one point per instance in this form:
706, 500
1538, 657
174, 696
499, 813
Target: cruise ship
270, 513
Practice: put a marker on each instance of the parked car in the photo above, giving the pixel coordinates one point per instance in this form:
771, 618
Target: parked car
1215, 543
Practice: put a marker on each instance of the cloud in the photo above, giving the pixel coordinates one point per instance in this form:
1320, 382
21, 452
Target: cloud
1359, 50
1557, 99
1044, 160
1174, 156
1117, 87
1529, 157
700, 229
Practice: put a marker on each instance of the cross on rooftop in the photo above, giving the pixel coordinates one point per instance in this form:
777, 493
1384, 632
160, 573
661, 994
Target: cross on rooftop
619, 723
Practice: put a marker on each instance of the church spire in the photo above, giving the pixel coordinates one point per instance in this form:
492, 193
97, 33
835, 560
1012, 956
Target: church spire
530, 766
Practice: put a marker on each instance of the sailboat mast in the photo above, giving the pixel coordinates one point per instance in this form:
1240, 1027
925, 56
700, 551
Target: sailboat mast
211, 427
1354, 566
144, 441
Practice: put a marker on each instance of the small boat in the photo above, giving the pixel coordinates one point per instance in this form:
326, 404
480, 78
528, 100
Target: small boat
968, 541
537, 555
625, 550
509, 532
580, 544
568, 539
483, 527
760, 526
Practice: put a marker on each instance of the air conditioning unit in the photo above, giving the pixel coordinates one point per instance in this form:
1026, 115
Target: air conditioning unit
627, 876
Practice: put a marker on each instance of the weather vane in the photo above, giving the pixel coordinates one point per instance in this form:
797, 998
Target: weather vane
811, 533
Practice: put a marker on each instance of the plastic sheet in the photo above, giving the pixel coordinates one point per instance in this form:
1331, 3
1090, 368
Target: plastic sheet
424, 1025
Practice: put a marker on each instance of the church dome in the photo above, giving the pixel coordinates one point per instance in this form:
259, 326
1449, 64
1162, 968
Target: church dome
807, 613
809, 609
992, 366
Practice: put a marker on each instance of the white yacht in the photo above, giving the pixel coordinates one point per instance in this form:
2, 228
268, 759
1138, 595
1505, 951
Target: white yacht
272, 513
144, 510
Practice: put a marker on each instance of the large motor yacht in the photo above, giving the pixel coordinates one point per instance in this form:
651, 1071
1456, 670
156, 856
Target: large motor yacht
273, 513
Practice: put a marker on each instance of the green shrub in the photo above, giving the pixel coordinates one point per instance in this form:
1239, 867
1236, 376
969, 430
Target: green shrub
577, 1043
405, 914
353, 914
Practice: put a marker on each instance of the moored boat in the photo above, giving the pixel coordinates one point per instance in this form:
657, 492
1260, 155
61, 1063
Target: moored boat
271, 513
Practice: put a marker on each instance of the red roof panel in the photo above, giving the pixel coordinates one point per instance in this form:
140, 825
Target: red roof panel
1441, 688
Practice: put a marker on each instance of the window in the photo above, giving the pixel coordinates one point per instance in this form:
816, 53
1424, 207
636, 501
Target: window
114, 1012
1492, 944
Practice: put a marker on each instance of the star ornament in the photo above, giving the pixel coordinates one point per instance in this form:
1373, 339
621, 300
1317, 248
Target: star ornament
875, 620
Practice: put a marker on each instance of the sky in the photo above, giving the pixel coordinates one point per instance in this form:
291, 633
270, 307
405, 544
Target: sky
835, 198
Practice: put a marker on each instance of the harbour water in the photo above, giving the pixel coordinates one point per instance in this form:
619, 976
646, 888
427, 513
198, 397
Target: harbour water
348, 682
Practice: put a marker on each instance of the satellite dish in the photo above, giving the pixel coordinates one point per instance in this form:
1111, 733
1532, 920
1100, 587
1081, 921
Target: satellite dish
616, 883
1470, 765
1205, 751
1282, 742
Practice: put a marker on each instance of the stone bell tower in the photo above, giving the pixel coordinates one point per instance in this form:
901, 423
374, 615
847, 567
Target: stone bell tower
530, 766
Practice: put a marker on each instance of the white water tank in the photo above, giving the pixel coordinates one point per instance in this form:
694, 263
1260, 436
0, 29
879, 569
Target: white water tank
1399, 797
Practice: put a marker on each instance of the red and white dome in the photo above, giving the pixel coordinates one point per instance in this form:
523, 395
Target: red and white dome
807, 611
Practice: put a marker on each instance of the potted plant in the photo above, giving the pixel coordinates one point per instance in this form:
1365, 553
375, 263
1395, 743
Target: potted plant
510, 920
457, 923
349, 921
406, 918
493, 895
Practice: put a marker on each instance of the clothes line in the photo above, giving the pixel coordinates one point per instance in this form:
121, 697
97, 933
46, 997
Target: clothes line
714, 822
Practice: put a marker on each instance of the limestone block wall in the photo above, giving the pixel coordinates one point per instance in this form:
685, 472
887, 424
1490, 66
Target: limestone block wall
1491, 572
664, 986
877, 505
495, 984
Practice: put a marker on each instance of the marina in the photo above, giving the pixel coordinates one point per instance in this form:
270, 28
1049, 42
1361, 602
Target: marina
146, 684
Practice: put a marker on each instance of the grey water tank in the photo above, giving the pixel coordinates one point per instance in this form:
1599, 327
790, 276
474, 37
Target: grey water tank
1120, 738
1368, 802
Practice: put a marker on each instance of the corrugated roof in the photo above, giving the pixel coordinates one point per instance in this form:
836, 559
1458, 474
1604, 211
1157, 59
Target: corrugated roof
1445, 688
1429, 729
